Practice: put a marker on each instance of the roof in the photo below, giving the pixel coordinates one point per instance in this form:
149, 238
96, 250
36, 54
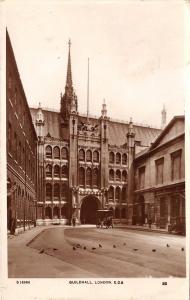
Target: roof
142, 133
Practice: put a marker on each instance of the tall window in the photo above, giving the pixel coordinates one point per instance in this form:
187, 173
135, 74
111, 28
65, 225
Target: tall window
124, 159
141, 177
56, 190
124, 176
64, 153
20, 153
176, 165
118, 175
56, 171
124, 194
9, 136
88, 155
81, 176
95, 177
15, 95
48, 171
81, 155
163, 208
64, 191
48, 152
111, 175
48, 191
64, 171
56, 152
88, 177
111, 158
95, 156
159, 170
117, 193
118, 158
111, 193
15, 146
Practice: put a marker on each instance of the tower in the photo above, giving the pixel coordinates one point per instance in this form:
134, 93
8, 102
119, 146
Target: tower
39, 121
163, 113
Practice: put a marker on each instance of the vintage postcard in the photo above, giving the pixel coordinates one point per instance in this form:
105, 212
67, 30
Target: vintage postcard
93, 158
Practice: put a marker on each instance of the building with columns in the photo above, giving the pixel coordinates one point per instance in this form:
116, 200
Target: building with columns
85, 163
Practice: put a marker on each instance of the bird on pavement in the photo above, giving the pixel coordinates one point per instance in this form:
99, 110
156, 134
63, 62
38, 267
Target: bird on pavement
78, 245
55, 249
182, 249
124, 244
93, 248
153, 250
100, 246
135, 249
84, 248
41, 251
168, 245
114, 246
74, 248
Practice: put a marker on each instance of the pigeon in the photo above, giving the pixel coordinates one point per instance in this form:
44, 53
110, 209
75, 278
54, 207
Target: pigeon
114, 246
84, 248
41, 251
74, 248
78, 245
100, 246
93, 248
135, 249
168, 245
153, 250
55, 249
124, 244
182, 249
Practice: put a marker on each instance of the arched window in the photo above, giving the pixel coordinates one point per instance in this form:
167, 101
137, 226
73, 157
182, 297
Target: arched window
81, 176
111, 175
56, 190
56, 212
64, 171
48, 213
118, 158
117, 193
48, 191
95, 177
88, 177
95, 156
63, 211
64, 191
111, 193
118, 175
111, 158
124, 159
56, 152
117, 213
124, 176
88, 155
123, 213
64, 153
48, 152
124, 194
48, 171
81, 155
56, 171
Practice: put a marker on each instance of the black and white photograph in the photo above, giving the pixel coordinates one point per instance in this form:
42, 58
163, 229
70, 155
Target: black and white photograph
95, 142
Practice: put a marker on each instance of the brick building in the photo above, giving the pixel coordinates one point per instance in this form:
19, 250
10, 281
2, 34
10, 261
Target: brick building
21, 151
159, 189
84, 163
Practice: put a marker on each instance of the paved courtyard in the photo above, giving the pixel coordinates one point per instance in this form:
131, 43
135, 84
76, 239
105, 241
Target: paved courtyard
90, 252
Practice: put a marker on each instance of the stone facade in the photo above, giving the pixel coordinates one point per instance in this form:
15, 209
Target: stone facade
21, 151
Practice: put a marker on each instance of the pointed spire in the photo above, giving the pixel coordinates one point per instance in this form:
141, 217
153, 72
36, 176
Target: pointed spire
104, 109
163, 120
69, 83
130, 128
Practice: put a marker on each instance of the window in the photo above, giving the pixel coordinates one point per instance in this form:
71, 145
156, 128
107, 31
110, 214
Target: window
48, 171
124, 176
56, 190
117, 213
123, 213
95, 156
118, 175
15, 95
81, 176
124, 159
64, 153
88, 155
64, 191
48, 213
20, 153
141, 177
64, 171
176, 165
111, 175
95, 177
175, 207
124, 194
15, 146
117, 193
111, 158
48, 152
159, 170
56, 171
163, 208
81, 155
63, 212
111, 193
48, 191
56, 152
118, 158
89, 177
9, 136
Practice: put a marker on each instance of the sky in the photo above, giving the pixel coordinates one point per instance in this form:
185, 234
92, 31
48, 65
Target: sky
135, 48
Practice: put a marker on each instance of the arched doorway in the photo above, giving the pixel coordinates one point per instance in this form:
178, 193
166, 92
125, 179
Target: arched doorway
89, 207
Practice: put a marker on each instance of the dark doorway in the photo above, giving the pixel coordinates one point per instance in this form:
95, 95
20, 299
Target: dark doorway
88, 210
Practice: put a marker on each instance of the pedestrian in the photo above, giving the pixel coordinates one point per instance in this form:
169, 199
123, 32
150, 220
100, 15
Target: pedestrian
150, 223
73, 221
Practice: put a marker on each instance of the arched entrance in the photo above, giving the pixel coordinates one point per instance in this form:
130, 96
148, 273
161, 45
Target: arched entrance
89, 207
